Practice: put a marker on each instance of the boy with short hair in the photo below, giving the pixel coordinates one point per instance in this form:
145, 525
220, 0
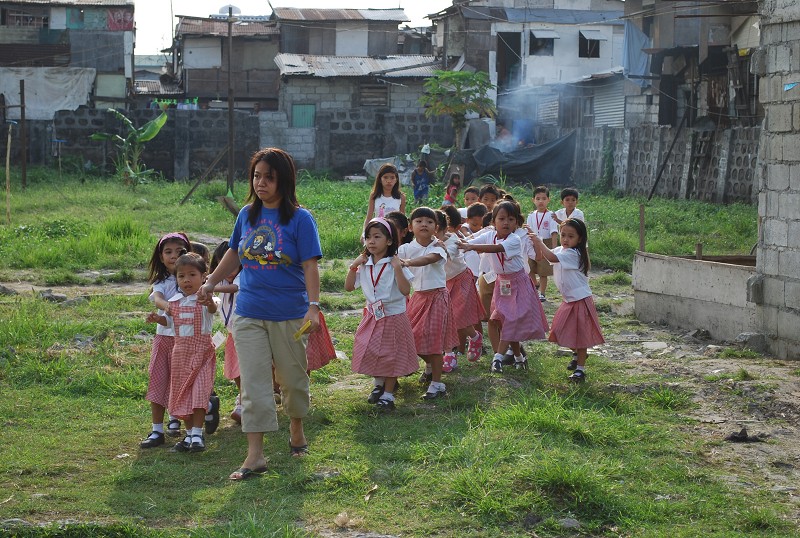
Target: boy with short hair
569, 199
470, 197
488, 196
542, 222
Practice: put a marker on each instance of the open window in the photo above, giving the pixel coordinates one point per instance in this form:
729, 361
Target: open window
542, 42
509, 59
589, 43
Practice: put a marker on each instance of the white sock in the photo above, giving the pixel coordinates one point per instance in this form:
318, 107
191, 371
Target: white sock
518, 358
580, 368
379, 381
436, 386
498, 357
188, 439
158, 428
197, 431
387, 396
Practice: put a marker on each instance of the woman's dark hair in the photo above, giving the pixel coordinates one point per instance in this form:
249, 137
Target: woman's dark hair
377, 188
390, 233
400, 221
283, 168
580, 228
157, 270
192, 259
423, 211
453, 216
441, 220
510, 207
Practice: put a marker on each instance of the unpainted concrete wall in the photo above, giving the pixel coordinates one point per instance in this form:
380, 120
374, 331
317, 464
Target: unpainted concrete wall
694, 294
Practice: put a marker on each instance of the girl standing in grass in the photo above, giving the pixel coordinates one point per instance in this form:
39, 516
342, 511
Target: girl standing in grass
575, 324
194, 358
162, 277
386, 195
429, 307
466, 306
451, 191
384, 342
228, 288
517, 313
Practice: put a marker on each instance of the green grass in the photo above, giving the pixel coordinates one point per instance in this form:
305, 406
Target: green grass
503, 455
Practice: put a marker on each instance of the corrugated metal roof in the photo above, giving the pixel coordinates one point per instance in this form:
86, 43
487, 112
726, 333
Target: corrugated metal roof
356, 66
156, 87
203, 26
74, 2
554, 16
310, 14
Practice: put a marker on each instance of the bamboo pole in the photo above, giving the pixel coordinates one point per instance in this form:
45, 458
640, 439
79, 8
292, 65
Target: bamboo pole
8, 175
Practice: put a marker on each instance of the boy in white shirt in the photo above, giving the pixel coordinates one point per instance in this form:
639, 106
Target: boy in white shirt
569, 199
542, 222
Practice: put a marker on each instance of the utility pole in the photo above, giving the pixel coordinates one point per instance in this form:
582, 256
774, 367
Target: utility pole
230, 99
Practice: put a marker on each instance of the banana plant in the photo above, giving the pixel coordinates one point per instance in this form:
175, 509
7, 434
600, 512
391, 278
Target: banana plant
128, 163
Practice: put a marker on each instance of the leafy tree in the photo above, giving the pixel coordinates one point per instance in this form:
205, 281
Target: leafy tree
457, 93
128, 161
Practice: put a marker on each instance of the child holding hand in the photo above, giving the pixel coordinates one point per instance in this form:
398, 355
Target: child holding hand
575, 324
384, 342
193, 356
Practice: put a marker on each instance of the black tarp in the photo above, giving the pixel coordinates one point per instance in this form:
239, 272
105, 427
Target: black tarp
549, 163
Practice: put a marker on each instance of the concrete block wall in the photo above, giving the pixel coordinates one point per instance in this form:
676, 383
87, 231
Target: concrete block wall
778, 253
299, 142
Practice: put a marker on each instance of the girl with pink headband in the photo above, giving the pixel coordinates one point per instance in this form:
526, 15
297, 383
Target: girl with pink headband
384, 343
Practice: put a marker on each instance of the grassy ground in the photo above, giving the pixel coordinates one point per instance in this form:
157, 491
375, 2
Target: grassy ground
509, 455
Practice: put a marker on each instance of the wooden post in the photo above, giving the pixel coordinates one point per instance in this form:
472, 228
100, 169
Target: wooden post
698, 251
23, 135
641, 227
230, 100
8, 175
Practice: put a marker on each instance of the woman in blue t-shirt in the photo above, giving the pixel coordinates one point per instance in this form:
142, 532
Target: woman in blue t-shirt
277, 244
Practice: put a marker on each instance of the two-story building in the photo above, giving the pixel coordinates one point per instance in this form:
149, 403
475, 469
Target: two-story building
83, 45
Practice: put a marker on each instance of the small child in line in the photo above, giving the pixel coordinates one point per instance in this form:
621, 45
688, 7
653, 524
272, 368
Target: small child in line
569, 199
400, 221
228, 288
421, 179
162, 277
451, 190
429, 307
575, 324
384, 342
212, 418
467, 309
517, 314
193, 357
470, 197
542, 222
488, 195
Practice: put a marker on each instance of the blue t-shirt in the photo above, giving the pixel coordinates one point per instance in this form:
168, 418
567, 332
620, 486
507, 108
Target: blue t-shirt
271, 284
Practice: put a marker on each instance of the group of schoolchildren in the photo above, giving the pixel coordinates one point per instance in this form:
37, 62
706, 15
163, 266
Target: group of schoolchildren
465, 266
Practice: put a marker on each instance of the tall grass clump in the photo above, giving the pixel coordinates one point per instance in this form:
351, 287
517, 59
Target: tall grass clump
111, 242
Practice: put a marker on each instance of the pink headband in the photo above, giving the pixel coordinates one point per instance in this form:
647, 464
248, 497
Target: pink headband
383, 221
174, 235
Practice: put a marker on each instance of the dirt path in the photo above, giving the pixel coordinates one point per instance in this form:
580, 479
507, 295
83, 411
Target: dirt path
728, 393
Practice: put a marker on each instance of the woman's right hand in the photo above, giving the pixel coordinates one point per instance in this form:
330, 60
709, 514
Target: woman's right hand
205, 291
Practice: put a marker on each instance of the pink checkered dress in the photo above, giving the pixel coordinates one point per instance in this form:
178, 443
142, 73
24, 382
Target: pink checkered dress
465, 304
520, 313
432, 322
158, 371
193, 361
576, 325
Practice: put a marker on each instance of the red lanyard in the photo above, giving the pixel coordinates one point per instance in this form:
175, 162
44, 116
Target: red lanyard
372, 277
501, 256
539, 222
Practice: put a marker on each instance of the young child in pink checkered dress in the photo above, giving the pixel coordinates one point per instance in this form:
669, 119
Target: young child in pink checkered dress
194, 358
162, 278
575, 324
517, 314
429, 307
384, 342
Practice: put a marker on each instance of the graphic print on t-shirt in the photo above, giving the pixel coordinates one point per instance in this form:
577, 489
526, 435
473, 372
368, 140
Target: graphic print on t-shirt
264, 246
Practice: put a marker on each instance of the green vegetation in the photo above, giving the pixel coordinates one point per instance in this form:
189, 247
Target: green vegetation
507, 455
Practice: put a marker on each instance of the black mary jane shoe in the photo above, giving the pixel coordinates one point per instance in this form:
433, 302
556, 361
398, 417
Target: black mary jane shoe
153, 440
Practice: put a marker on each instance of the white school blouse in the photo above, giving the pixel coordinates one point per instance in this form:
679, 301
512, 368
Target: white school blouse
427, 277
509, 261
542, 224
456, 261
168, 288
576, 214
570, 281
228, 302
376, 280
